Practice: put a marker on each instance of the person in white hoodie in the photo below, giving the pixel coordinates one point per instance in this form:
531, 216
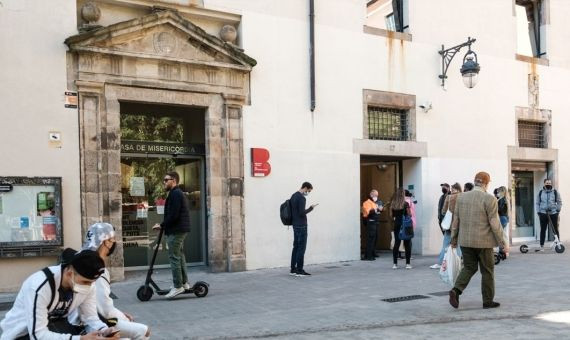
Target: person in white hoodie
49, 296
101, 238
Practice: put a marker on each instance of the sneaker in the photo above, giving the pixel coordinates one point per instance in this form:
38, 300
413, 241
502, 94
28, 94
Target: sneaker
395, 266
435, 266
174, 292
303, 273
491, 305
293, 272
186, 286
409, 266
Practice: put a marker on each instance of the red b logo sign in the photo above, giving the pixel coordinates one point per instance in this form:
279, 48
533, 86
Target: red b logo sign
260, 166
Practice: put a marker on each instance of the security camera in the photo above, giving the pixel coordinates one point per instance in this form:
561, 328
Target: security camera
426, 106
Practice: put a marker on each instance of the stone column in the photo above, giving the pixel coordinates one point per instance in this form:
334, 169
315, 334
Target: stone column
100, 164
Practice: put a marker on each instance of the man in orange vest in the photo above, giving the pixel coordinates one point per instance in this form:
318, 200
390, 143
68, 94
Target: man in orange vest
371, 209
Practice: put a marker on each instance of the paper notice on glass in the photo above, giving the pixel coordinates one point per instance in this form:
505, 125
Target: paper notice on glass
137, 186
160, 209
142, 212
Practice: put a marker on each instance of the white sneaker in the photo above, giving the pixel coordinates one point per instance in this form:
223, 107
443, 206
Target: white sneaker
186, 286
435, 266
174, 292
409, 266
395, 266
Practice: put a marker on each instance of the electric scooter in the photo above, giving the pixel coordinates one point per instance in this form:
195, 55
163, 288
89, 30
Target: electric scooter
556, 244
145, 292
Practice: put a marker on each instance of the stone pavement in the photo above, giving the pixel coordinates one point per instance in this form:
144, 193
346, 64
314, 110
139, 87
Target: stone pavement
344, 300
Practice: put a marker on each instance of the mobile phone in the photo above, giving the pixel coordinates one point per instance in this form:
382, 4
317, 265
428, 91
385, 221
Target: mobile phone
112, 333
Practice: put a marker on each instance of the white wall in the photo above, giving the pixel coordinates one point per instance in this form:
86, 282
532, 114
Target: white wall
33, 75
467, 130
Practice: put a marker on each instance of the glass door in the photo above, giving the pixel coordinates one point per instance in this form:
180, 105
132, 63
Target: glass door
524, 204
143, 198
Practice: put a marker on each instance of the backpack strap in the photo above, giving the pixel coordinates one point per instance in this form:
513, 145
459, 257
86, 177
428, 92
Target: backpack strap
51, 281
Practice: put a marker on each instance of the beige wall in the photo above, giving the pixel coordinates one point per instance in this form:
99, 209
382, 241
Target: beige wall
33, 80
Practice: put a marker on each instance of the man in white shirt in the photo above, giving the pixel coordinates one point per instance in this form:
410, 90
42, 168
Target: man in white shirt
100, 237
49, 296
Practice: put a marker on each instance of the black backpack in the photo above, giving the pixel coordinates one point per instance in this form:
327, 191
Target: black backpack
285, 213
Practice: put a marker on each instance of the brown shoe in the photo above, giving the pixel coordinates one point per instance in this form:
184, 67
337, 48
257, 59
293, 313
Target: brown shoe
491, 305
453, 298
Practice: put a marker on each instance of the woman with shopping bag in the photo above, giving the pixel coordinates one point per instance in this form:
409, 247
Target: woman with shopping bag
447, 210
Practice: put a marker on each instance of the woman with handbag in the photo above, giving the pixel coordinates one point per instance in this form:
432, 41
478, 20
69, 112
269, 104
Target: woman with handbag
447, 210
400, 210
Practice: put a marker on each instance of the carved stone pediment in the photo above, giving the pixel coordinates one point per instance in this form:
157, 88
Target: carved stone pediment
162, 35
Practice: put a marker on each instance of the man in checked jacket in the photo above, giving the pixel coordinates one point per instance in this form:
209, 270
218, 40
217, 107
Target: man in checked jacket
477, 228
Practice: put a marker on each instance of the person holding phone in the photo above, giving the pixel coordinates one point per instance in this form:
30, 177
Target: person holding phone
100, 237
299, 213
48, 297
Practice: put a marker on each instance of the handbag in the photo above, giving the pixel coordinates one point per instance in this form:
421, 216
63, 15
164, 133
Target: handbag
446, 222
407, 228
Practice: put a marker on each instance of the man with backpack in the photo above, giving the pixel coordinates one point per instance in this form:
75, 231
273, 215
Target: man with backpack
548, 206
299, 213
49, 296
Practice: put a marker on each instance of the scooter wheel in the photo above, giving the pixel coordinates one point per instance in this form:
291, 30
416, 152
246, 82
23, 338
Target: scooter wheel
200, 289
144, 293
497, 258
559, 248
524, 249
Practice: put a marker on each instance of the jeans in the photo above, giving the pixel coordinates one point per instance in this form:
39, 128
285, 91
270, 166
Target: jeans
177, 259
446, 242
371, 227
485, 258
544, 226
299, 246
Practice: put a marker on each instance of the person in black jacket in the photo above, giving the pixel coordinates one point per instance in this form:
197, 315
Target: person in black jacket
445, 189
176, 225
299, 214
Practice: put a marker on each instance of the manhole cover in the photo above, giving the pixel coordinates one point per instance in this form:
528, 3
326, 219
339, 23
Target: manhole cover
445, 293
6, 305
406, 298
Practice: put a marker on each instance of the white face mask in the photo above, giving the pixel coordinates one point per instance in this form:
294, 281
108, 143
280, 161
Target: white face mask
80, 289
374, 198
306, 193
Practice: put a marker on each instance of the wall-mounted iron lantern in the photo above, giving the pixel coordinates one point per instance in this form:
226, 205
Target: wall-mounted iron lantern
470, 68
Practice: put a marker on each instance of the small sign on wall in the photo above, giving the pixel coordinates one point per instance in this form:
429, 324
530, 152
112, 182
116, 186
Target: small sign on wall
71, 99
260, 166
54, 139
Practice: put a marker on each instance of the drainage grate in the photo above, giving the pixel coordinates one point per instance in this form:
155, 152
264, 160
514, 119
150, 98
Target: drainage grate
406, 298
332, 267
6, 305
444, 293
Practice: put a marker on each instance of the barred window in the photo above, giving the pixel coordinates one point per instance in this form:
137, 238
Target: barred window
387, 124
531, 134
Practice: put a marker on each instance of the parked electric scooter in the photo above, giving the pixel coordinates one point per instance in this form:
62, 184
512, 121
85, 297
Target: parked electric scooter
145, 292
556, 244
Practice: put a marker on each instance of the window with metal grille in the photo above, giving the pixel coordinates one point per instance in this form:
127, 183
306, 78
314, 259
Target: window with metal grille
387, 124
531, 134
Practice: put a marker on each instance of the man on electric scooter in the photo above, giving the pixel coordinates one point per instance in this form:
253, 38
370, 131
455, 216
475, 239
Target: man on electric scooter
548, 204
176, 226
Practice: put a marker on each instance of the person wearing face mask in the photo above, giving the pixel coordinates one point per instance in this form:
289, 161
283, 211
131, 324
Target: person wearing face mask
48, 297
100, 237
444, 192
299, 213
548, 204
449, 204
371, 209
475, 225
503, 208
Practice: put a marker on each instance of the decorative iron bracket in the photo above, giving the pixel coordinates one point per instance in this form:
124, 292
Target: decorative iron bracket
448, 54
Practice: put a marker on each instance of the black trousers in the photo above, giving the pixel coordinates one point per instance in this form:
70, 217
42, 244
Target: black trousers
371, 236
544, 226
61, 326
397, 242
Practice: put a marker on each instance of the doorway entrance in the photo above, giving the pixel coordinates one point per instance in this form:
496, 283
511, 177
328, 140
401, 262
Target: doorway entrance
527, 181
385, 176
157, 139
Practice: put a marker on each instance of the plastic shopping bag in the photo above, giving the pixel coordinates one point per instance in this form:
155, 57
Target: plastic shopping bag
451, 266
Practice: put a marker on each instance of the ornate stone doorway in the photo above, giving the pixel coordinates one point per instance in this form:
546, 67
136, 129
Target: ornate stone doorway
162, 58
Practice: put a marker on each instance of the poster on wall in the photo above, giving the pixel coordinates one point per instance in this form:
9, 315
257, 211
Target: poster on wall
137, 186
260, 166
